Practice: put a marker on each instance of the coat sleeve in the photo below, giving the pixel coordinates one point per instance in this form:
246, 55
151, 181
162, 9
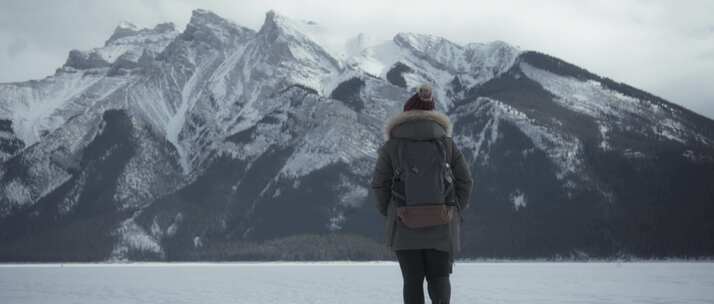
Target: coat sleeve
462, 174
382, 180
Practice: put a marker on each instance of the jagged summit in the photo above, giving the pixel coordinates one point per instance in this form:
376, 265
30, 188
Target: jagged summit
165, 27
202, 16
126, 25
419, 41
307, 57
277, 24
492, 44
123, 29
213, 29
270, 28
127, 42
127, 29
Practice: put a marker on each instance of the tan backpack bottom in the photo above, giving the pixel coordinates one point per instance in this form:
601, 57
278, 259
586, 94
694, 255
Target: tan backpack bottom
426, 215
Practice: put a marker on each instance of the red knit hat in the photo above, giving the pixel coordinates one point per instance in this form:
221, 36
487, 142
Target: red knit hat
422, 100
416, 103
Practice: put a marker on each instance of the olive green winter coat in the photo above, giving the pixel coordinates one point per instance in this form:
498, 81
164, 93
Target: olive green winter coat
419, 124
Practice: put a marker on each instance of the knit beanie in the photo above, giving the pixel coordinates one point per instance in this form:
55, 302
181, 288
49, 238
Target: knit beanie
422, 100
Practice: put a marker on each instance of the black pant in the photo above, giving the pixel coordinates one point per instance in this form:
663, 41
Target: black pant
433, 264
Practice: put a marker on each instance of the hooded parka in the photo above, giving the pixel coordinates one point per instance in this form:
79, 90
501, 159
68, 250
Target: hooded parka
420, 125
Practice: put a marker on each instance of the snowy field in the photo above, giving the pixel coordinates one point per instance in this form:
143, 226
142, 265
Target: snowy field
354, 282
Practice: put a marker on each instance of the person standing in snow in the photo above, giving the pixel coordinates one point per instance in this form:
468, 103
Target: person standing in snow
423, 230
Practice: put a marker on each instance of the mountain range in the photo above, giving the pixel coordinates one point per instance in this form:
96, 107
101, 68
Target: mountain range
220, 142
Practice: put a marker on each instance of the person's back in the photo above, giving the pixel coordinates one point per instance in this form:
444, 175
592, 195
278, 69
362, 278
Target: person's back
421, 251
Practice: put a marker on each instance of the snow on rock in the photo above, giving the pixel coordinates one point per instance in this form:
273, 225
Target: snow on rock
284, 52
328, 146
352, 194
313, 64
697, 157
123, 29
670, 129
588, 97
323, 146
564, 149
329, 40
480, 143
357, 44
604, 144
33, 106
327, 135
197, 242
629, 153
128, 42
173, 228
17, 193
335, 221
594, 99
133, 239
149, 173
377, 59
207, 27
437, 60
156, 231
518, 199
189, 96
70, 201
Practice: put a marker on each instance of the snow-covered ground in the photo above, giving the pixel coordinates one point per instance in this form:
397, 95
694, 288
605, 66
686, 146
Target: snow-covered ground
354, 282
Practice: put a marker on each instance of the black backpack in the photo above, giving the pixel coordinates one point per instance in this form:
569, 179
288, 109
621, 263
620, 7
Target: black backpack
423, 182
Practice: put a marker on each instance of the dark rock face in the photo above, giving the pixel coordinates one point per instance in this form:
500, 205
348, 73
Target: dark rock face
349, 93
74, 222
81, 61
395, 77
625, 205
9, 143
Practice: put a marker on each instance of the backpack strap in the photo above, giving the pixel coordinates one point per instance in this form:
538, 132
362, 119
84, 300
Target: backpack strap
449, 148
396, 177
442, 149
448, 157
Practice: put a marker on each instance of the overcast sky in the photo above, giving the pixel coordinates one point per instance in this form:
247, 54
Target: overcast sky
664, 47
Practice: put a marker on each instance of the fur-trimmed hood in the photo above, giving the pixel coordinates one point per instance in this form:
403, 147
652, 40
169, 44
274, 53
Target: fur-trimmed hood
415, 115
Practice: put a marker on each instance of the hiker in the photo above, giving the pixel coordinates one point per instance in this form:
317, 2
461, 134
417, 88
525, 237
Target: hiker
422, 185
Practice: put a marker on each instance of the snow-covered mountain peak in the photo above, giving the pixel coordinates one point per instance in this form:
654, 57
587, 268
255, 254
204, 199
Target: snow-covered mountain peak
306, 32
127, 25
451, 56
495, 48
128, 42
271, 26
422, 42
356, 45
275, 21
206, 17
301, 49
492, 45
213, 29
165, 27
127, 32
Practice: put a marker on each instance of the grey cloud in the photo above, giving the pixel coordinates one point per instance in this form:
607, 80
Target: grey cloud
707, 55
18, 45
